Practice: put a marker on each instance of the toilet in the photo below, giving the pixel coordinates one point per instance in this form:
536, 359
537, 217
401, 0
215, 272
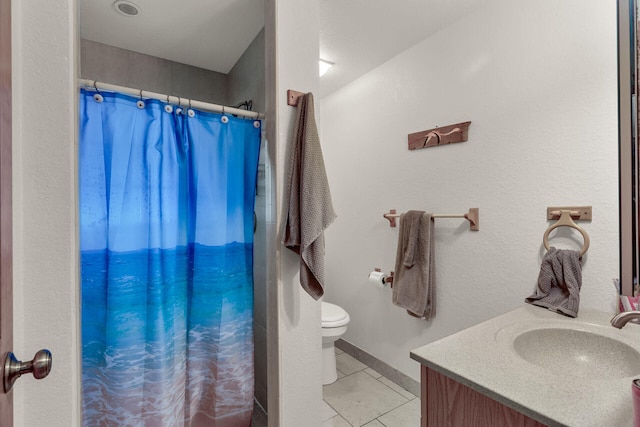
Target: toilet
334, 325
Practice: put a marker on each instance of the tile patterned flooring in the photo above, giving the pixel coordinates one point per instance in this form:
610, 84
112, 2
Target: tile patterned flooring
363, 397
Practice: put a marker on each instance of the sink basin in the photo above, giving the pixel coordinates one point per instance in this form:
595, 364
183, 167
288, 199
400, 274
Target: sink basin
584, 350
558, 370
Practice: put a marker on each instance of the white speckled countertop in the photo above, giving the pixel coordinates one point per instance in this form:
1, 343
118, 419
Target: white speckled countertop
481, 358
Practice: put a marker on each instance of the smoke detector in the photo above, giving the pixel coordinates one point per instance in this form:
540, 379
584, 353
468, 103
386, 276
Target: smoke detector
127, 8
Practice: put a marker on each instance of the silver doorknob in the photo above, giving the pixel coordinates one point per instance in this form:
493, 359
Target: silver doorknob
40, 367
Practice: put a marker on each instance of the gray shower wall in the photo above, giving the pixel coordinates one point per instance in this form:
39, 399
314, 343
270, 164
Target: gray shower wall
123, 67
245, 81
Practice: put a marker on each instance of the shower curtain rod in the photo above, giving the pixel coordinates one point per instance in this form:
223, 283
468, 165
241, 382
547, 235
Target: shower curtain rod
184, 102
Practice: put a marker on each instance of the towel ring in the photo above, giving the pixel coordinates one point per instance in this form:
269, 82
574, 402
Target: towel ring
565, 220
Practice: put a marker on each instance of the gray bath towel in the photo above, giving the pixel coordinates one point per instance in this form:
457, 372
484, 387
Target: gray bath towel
559, 282
414, 280
310, 210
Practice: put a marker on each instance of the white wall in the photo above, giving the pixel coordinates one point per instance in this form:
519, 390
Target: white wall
44, 173
300, 358
538, 81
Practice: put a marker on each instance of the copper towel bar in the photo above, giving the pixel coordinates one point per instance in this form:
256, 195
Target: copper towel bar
473, 216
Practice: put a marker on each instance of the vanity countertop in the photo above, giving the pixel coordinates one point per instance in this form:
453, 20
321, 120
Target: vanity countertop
479, 358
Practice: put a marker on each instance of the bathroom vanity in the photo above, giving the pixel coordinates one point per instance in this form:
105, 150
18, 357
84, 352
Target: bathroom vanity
532, 367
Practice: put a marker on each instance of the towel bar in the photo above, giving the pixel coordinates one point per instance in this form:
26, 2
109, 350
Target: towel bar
473, 216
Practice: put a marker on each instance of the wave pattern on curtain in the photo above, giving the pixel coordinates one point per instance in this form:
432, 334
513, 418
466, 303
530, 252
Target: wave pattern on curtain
166, 230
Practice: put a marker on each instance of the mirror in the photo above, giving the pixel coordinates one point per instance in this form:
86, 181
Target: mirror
628, 154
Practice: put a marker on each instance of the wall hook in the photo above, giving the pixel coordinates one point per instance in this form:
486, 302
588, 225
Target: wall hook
458, 132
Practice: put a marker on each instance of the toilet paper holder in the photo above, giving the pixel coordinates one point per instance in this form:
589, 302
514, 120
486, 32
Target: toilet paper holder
388, 279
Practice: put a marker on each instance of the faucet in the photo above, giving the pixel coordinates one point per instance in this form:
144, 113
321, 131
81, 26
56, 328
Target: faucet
623, 318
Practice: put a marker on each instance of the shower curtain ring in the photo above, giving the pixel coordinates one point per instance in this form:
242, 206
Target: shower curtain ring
140, 102
168, 108
97, 96
190, 112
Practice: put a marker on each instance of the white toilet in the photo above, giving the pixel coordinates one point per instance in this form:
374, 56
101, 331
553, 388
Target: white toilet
334, 325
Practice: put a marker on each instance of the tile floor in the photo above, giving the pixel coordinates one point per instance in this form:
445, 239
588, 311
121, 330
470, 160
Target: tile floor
363, 397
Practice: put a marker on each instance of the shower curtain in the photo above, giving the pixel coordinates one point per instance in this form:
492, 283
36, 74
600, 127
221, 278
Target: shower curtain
166, 236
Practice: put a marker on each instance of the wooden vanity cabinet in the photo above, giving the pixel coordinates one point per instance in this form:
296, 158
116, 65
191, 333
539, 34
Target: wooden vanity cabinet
446, 402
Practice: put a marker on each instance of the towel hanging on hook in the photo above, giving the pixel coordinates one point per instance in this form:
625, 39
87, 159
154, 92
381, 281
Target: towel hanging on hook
567, 221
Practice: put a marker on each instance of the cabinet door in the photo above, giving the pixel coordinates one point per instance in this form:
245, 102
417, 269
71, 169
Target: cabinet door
446, 402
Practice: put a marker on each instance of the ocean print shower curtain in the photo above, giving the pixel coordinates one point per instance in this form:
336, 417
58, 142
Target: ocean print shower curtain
166, 236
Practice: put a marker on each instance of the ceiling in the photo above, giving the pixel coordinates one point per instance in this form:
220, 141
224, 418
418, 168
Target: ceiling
203, 33
359, 35
356, 35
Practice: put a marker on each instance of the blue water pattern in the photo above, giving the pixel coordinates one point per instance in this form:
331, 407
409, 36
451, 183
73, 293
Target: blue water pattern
166, 219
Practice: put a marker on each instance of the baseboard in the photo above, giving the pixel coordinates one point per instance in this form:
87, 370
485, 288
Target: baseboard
376, 364
259, 416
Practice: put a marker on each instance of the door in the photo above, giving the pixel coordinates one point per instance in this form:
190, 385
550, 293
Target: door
6, 241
